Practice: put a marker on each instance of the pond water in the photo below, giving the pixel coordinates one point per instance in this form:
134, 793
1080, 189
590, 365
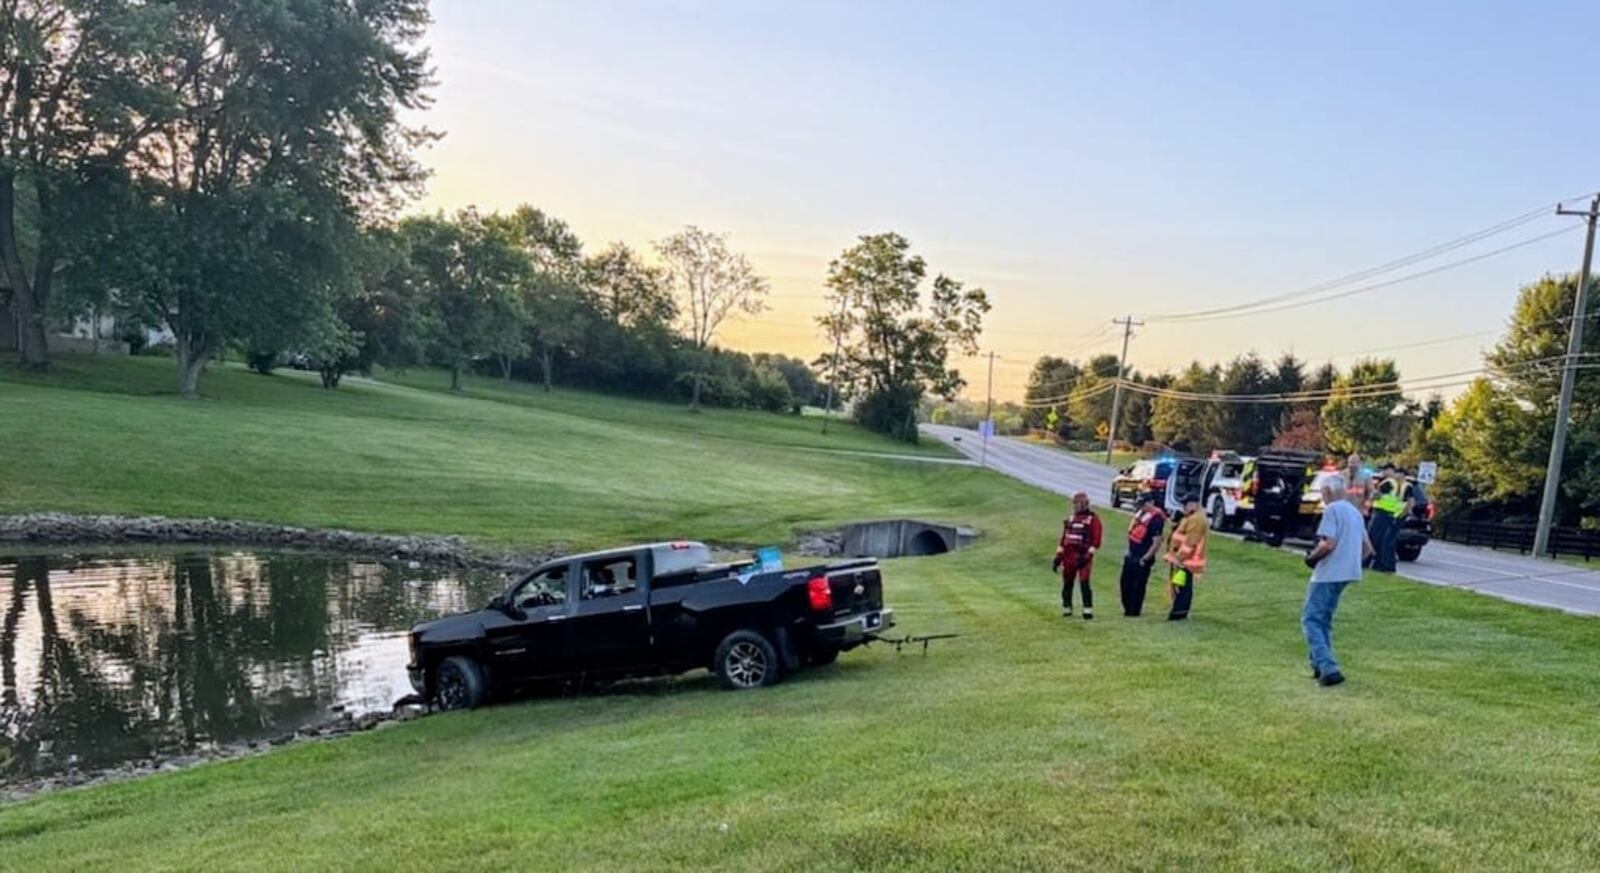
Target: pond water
108, 658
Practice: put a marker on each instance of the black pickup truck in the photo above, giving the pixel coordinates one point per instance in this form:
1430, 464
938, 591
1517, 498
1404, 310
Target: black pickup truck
647, 610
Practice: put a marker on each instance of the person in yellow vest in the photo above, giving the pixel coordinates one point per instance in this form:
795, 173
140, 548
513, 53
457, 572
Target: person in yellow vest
1186, 557
1388, 508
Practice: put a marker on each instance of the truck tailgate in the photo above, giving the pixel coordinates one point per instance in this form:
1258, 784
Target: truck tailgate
856, 590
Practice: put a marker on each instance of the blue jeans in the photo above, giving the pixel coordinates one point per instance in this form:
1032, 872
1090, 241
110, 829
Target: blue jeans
1322, 601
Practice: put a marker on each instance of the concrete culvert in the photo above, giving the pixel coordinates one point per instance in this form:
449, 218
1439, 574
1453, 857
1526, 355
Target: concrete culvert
927, 543
896, 538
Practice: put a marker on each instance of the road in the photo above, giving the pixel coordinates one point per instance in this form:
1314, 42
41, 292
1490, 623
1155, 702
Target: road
1517, 578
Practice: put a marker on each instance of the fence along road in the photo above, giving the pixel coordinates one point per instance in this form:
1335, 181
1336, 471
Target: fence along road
1517, 578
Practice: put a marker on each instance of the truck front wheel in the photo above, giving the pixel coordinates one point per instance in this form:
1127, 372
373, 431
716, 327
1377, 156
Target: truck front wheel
458, 683
746, 659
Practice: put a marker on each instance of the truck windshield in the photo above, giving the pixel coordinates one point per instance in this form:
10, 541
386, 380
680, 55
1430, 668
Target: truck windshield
548, 588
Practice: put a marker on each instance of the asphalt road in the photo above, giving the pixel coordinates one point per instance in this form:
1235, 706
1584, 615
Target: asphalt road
1508, 576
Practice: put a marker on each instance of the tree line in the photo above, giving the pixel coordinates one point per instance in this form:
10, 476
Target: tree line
233, 172
1491, 442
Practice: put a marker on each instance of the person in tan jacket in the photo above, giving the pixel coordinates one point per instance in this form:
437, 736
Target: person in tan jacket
1186, 557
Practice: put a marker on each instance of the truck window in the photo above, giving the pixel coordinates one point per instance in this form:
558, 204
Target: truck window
608, 578
548, 588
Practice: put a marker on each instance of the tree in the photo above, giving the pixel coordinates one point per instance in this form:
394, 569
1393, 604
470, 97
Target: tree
892, 345
1094, 413
282, 128
630, 292
1495, 436
803, 385
1246, 427
768, 390
1301, 430
471, 274
714, 283
556, 297
1188, 424
1050, 380
82, 87
1358, 416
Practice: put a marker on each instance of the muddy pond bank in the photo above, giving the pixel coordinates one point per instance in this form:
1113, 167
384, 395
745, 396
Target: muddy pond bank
81, 531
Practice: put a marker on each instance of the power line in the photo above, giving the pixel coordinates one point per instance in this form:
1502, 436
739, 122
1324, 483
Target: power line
1360, 275
1364, 289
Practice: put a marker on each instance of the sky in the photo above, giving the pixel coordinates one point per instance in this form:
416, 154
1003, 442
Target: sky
1078, 161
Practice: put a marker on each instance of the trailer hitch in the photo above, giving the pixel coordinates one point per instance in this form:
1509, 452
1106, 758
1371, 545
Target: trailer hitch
900, 643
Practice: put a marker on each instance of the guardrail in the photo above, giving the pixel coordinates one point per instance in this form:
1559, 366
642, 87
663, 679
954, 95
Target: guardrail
1495, 535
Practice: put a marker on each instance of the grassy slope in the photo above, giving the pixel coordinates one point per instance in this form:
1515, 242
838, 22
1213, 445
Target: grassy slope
524, 469
1467, 737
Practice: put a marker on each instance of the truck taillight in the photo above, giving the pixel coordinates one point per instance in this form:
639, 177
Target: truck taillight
820, 594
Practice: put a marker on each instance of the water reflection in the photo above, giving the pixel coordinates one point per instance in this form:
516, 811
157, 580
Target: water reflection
105, 659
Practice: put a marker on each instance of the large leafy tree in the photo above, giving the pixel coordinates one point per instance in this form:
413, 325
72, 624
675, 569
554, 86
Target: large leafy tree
556, 296
1495, 437
895, 347
1051, 380
629, 292
1188, 424
281, 129
1093, 414
1358, 416
713, 283
1247, 426
83, 85
472, 274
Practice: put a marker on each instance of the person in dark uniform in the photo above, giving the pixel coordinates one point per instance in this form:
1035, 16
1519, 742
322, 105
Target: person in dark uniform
1388, 509
1080, 539
1144, 539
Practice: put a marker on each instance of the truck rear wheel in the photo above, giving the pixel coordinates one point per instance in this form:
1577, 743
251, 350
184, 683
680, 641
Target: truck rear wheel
746, 659
458, 683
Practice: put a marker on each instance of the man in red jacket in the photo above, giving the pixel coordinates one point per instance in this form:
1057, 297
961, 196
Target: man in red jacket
1080, 539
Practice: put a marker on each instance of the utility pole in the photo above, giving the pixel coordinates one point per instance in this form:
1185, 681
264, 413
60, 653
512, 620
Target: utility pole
988, 416
1128, 324
1569, 373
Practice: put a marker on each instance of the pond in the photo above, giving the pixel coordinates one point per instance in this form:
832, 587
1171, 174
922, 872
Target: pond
109, 658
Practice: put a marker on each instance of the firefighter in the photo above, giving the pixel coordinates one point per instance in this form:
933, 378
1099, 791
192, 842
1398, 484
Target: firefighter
1388, 508
1080, 539
1186, 557
1144, 539
1358, 483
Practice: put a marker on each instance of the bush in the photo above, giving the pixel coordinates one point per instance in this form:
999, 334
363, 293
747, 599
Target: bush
261, 361
768, 391
891, 411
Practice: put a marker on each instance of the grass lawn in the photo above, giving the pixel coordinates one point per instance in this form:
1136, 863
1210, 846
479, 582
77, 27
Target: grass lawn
1467, 737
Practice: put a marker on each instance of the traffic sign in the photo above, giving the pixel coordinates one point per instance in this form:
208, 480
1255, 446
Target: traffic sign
1427, 471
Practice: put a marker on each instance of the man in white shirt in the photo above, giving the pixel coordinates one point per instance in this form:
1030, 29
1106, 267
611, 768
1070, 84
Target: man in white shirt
1335, 563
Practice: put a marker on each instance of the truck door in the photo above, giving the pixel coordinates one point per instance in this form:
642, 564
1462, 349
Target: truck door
611, 630
534, 644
